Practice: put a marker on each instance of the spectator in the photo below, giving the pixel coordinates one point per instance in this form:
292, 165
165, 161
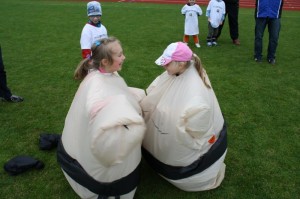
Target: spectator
93, 30
191, 11
215, 12
5, 93
232, 10
267, 13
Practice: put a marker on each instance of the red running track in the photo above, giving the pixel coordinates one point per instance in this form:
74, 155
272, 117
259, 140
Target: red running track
288, 4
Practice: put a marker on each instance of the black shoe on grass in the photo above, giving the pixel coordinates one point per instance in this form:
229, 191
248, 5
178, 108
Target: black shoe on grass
258, 60
15, 99
271, 61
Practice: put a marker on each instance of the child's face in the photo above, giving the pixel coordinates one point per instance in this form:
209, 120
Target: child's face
192, 2
118, 57
174, 68
95, 18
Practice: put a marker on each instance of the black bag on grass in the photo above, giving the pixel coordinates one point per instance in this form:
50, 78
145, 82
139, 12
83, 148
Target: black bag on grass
20, 164
48, 141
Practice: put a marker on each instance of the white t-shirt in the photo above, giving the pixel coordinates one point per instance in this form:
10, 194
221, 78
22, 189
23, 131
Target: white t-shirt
215, 11
90, 34
191, 13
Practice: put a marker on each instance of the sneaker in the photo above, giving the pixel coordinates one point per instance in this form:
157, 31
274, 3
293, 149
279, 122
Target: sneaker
209, 44
258, 60
271, 61
236, 42
15, 98
197, 45
214, 43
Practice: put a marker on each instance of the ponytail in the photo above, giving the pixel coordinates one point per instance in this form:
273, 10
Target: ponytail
82, 69
201, 70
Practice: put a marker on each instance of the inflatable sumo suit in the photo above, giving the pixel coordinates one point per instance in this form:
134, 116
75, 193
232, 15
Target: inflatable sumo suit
100, 147
185, 140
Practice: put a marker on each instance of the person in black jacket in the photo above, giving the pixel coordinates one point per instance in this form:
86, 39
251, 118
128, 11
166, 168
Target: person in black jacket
232, 10
5, 93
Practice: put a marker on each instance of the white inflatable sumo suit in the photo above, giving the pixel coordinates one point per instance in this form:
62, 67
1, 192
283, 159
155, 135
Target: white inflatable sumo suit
103, 132
184, 121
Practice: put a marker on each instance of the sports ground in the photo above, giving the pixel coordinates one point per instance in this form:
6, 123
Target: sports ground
260, 102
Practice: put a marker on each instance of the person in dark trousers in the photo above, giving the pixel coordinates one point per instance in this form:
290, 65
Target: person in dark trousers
267, 13
5, 93
232, 11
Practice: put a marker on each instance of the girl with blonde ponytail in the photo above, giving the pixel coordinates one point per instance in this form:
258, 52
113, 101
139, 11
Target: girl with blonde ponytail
201, 70
104, 113
185, 140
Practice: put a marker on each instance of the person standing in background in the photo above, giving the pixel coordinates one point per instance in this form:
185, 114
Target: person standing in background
5, 93
93, 29
232, 10
215, 12
267, 13
191, 11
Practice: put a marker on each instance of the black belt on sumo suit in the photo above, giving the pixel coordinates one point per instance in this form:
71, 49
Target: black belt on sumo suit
103, 189
205, 161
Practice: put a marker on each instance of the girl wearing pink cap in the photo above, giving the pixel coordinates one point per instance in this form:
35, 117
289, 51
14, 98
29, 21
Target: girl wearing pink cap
185, 140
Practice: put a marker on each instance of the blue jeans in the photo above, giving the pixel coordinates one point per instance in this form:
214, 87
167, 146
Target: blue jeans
274, 29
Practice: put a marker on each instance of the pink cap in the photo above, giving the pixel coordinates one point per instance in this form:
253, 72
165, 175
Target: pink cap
178, 51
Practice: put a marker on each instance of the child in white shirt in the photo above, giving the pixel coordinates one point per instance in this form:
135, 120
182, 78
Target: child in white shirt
93, 29
191, 11
215, 13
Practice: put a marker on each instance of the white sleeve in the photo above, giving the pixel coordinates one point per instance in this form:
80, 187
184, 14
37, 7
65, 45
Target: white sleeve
224, 8
199, 10
152, 85
86, 39
138, 93
197, 118
208, 10
105, 34
183, 10
115, 131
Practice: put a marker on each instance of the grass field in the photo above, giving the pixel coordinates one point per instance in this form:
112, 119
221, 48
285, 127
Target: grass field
40, 46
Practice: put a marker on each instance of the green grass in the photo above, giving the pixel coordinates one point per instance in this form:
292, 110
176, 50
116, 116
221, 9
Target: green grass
40, 46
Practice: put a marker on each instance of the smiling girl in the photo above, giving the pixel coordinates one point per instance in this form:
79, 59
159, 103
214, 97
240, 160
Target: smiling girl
100, 148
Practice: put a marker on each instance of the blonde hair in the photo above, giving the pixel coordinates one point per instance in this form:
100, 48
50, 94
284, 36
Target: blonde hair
100, 50
201, 71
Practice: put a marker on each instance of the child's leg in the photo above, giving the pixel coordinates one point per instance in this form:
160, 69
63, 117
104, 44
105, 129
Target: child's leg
186, 38
196, 39
209, 36
214, 36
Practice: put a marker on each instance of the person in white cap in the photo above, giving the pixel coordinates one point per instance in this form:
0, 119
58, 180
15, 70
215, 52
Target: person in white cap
191, 11
186, 136
93, 29
100, 147
215, 12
